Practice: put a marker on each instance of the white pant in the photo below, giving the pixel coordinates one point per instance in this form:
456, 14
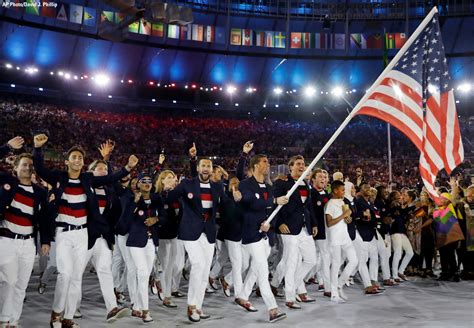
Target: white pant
301, 255
363, 256
119, 271
131, 270
222, 258
101, 257
384, 256
71, 258
323, 273
373, 259
16, 263
236, 256
400, 242
258, 252
171, 255
51, 264
143, 259
336, 261
200, 254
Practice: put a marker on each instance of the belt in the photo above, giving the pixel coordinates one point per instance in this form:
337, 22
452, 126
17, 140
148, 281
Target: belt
7, 233
69, 227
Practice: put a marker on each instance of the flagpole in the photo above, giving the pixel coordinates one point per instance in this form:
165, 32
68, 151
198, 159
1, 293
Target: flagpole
389, 67
389, 158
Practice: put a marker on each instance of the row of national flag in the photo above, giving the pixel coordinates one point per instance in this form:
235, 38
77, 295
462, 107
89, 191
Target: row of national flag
215, 34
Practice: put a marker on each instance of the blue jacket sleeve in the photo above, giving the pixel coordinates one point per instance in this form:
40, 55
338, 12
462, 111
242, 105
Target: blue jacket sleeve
50, 176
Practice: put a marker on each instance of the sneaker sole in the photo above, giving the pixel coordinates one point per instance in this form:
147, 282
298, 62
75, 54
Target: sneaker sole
278, 318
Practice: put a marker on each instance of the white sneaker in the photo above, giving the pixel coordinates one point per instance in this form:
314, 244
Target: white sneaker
337, 300
341, 293
77, 314
147, 317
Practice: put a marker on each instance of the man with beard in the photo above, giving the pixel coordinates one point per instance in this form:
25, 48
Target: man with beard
200, 198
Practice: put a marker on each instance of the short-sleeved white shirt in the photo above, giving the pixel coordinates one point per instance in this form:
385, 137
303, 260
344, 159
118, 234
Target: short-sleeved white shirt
337, 234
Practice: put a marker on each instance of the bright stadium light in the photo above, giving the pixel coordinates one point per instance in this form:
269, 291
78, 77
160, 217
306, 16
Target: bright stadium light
67, 76
465, 87
278, 91
9, 66
101, 80
231, 89
337, 91
310, 91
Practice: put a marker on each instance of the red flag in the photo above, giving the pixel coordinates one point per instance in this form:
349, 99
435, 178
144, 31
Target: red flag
247, 37
400, 39
295, 40
415, 97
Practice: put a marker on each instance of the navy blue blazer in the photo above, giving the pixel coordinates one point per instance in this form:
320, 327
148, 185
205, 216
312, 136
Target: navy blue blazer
103, 224
382, 207
59, 179
42, 220
170, 228
192, 223
319, 200
255, 209
231, 220
295, 214
366, 228
351, 227
134, 216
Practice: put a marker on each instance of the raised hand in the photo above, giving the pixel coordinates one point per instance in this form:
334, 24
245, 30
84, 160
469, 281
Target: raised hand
16, 143
248, 146
161, 159
132, 162
236, 194
106, 149
39, 140
193, 151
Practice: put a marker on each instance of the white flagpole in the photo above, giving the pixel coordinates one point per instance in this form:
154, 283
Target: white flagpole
356, 108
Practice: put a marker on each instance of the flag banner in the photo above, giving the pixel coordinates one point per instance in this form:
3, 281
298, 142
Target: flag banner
89, 18
210, 34
414, 95
280, 40
339, 41
198, 32
295, 40
220, 35
390, 41
62, 12
185, 32
358, 41
247, 37
109, 16
118, 17
269, 42
145, 27
157, 29
75, 14
307, 41
374, 41
446, 226
259, 38
48, 11
32, 7
173, 31
324, 40
134, 27
400, 39
236, 37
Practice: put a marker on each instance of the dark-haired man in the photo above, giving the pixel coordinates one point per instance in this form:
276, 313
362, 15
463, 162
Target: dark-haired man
257, 200
200, 198
75, 201
297, 226
23, 213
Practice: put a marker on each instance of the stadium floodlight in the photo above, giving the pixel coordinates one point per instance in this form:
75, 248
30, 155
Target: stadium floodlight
67, 76
250, 90
9, 66
465, 87
310, 91
101, 79
110, 96
31, 70
231, 89
278, 91
337, 91
216, 104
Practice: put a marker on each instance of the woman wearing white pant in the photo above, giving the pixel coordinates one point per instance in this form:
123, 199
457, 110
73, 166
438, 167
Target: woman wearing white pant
143, 212
399, 238
338, 215
171, 250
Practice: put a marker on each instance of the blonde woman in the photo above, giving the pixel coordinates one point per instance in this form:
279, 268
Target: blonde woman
171, 250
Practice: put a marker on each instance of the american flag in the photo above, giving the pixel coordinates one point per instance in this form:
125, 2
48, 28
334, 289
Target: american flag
415, 96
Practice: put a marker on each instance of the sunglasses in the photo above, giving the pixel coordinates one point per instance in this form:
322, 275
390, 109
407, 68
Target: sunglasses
145, 180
